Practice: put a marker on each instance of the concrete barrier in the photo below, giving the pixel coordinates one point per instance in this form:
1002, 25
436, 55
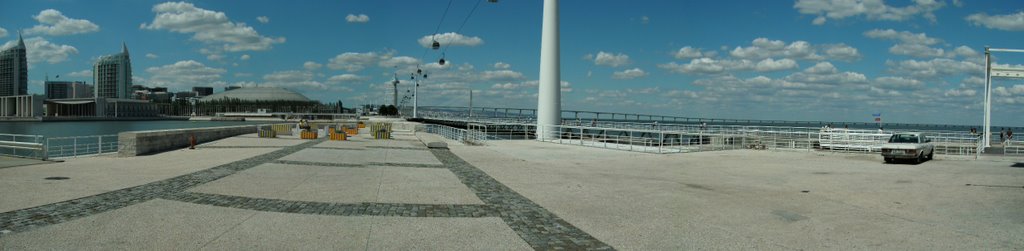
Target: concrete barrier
137, 143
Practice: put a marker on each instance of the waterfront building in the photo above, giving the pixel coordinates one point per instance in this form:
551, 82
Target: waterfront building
67, 89
112, 75
113, 93
14, 70
202, 91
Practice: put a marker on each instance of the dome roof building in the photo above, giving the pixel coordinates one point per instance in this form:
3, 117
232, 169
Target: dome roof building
258, 94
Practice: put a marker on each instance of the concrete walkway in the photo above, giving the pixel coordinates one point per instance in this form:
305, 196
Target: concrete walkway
245, 193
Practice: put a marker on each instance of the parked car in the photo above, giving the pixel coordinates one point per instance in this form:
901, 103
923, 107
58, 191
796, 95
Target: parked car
912, 146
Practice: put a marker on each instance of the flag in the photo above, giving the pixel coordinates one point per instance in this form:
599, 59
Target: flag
876, 114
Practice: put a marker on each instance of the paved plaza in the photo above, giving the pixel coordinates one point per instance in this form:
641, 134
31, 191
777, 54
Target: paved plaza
245, 193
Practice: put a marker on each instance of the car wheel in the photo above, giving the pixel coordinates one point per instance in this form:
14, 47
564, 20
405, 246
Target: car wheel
920, 158
888, 160
931, 155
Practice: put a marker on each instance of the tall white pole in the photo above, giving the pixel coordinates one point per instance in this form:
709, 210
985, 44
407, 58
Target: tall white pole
987, 141
549, 93
415, 97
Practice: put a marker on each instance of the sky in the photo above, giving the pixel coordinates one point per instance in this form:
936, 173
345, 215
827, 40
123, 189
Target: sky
915, 61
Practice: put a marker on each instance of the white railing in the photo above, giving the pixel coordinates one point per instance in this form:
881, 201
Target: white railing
679, 138
457, 134
20, 145
1013, 147
77, 146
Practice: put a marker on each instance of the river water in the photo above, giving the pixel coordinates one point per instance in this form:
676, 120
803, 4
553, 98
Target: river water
88, 128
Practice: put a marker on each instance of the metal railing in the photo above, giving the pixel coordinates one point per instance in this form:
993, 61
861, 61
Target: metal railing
680, 138
462, 135
1013, 147
20, 145
77, 146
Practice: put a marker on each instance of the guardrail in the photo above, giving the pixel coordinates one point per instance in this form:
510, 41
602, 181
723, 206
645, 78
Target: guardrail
462, 135
1013, 147
21, 145
679, 138
78, 146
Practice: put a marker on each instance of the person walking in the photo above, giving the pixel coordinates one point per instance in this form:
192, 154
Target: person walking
1009, 134
1002, 135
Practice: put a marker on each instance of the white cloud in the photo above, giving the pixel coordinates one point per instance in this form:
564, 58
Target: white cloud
826, 73
293, 79
762, 48
3, 32
215, 57
53, 23
263, 19
822, 68
870, 9
1009, 22
645, 20
311, 66
450, 39
898, 83
501, 65
244, 57
916, 50
398, 61
629, 74
500, 75
842, 52
964, 51
151, 55
210, 27
769, 64
939, 67
960, 92
688, 52
345, 78
81, 74
184, 75
708, 66
352, 61
819, 20
40, 50
610, 59
360, 18
902, 36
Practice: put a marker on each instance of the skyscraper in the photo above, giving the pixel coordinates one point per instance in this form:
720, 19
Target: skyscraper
112, 75
14, 70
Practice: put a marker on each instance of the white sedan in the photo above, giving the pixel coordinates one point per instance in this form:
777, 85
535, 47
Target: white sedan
912, 146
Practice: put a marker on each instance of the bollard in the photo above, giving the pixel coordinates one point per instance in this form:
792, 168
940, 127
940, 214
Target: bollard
192, 141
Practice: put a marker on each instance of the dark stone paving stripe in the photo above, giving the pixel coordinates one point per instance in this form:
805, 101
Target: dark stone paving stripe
25, 219
399, 148
240, 147
537, 226
337, 148
338, 209
368, 164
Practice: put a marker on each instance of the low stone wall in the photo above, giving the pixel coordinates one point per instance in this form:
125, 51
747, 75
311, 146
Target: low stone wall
148, 142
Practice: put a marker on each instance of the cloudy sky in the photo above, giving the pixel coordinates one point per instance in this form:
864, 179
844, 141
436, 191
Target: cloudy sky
913, 61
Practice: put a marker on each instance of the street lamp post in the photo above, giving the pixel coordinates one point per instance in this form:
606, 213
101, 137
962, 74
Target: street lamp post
417, 76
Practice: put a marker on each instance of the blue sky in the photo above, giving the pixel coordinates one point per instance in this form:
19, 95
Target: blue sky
914, 61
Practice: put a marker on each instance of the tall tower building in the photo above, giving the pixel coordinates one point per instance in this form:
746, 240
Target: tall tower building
112, 75
14, 70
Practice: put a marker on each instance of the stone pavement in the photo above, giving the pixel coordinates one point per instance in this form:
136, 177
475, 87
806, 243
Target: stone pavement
377, 194
250, 193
